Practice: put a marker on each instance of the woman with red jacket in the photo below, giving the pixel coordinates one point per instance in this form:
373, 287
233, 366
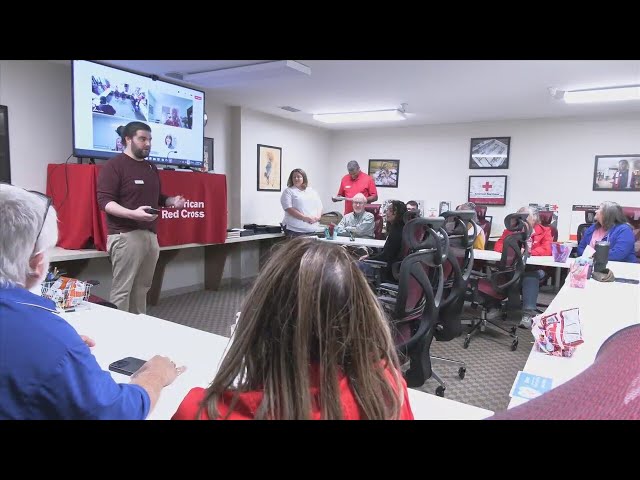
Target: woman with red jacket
539, 245
311, 343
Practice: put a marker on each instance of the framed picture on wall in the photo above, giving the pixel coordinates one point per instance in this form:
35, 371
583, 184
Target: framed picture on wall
488, 190
492, 152
208, 155
269, 168
385, 173
618, 173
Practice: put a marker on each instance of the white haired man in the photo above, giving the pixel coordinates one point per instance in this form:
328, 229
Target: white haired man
48, 371
359, 223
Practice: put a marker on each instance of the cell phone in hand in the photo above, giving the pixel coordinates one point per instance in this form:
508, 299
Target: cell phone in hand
127, 366
152, 211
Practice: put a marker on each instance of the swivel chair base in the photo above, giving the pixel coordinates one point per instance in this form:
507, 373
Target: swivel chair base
461, 373
484, 322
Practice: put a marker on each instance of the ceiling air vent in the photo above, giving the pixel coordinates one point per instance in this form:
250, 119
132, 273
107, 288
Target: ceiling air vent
290, 109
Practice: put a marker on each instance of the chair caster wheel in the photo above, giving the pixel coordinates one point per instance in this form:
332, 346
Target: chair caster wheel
466, 342
514, 345
440, 391
461, 372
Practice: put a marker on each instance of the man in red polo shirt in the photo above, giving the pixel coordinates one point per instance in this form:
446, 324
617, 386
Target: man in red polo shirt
353, 183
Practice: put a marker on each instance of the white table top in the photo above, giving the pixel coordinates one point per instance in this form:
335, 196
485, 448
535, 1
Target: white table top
358, 242
547, 261
58, 254
120, 334
605, 308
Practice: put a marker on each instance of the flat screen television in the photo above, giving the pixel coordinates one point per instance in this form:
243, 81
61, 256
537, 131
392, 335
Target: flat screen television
105, 97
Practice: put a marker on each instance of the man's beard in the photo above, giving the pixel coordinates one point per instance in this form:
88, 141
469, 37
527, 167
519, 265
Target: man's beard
139, 152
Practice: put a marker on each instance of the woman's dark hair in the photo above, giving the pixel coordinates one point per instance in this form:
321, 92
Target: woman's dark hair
305, 182
399, 209
130, 129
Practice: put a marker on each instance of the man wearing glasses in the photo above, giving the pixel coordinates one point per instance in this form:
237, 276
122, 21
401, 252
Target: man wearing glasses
128, 187
46, 369
357, 223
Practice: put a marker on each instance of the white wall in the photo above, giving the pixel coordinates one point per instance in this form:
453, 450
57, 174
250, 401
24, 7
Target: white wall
551, 161
303, 146
38, 97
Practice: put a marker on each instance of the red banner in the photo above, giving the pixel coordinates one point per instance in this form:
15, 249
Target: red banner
82, 225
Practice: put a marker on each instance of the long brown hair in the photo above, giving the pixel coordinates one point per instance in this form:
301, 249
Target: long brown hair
310, 306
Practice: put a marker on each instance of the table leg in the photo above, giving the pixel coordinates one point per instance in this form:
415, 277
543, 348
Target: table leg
558, 275
215, 257
153, 295
73, 268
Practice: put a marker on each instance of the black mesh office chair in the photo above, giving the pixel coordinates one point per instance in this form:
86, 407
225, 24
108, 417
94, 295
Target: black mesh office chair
456, 272
412, 305
491, 290
589, 219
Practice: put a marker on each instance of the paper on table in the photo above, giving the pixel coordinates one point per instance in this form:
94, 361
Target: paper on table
530, 386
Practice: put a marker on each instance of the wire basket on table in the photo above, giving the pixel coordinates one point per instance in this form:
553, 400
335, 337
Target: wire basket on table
66, 292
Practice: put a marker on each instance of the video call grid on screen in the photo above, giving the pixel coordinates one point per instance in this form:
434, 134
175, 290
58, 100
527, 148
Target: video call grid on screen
105, 98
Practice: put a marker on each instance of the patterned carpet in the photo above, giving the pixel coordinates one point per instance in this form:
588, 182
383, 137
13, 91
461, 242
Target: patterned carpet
491, 365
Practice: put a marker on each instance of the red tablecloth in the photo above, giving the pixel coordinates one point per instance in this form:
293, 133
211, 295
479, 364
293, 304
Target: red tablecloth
82, 225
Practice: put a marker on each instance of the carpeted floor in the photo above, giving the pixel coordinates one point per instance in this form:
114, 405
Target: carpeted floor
491, 365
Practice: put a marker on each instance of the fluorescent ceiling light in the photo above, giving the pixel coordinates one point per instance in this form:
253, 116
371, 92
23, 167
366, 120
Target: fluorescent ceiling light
594, 95
354, 117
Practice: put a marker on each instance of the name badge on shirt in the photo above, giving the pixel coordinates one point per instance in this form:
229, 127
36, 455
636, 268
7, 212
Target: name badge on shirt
139, 182
347, 186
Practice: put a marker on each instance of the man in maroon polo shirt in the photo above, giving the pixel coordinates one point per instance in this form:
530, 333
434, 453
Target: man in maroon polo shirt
129, 185
353, 183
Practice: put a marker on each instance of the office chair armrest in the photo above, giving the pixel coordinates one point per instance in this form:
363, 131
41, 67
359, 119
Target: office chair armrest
387, 300
476, 275
389, 286
376, 263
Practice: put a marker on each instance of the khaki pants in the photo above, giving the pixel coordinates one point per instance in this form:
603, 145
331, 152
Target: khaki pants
133, 262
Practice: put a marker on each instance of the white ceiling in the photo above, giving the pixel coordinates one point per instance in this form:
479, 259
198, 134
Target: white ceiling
436, 91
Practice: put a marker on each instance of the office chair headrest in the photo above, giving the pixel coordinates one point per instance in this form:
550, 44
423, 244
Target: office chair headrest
427, 234
410, 215
457, 227
546, 217
481, 210
466, 215
590, 216
515, 222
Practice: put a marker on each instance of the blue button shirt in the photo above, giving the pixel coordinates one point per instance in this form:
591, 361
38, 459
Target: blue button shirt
48, 372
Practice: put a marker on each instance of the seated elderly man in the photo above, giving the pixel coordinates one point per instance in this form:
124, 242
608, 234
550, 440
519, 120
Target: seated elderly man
357, 223
47, 370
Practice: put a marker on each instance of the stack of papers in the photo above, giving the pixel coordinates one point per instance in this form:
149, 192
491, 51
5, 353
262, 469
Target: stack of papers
239, 232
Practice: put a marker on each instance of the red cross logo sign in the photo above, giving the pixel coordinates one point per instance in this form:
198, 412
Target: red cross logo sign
487, 186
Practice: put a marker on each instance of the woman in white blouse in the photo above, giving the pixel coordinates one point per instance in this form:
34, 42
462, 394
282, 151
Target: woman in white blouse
301, 204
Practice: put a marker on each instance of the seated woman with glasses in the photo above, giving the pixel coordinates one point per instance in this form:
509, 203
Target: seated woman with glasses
311, 343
